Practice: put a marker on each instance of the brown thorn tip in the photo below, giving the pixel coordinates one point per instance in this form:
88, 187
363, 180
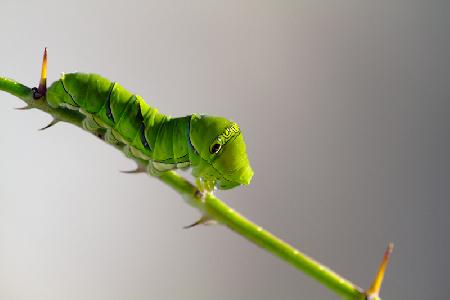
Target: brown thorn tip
23, 108
53, 122
134, 171
374, 290
202, 220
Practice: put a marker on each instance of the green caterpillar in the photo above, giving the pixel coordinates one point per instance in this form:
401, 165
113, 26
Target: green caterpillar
213, 146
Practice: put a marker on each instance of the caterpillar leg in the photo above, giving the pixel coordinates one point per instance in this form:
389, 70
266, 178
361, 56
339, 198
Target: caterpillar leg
162, 167
205, 186
90, 125
69, 106
110, 138
184, 165
151, 170
157, 168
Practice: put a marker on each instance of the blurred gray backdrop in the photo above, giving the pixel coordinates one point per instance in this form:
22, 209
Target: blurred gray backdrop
345, 108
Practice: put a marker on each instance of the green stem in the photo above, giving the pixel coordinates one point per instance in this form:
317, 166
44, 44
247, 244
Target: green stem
221, 212
213, 207
15, 88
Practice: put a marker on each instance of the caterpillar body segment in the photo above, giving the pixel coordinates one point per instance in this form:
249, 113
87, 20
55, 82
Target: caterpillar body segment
213, 146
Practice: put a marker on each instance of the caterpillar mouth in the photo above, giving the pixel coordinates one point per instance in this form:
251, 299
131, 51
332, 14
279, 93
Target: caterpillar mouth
242, 176
225, 181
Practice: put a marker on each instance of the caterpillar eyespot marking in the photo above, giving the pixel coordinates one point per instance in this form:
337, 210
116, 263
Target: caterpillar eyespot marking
215, 148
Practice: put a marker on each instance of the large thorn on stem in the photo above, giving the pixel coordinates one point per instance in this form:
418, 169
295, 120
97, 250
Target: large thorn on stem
374, 290
40, 91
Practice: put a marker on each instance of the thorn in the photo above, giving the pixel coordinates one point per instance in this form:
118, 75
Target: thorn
204, 220
43, 82
374, 290
53, 122
26, 107
42, 88
138, 169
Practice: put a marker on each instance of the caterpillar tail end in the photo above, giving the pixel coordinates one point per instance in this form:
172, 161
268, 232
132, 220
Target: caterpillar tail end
40, 91
374, 291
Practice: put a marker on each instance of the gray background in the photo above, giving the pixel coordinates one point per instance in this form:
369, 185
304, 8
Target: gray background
344, 106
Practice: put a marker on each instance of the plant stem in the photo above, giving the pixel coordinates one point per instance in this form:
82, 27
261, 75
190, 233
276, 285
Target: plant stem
222, 213
211, 206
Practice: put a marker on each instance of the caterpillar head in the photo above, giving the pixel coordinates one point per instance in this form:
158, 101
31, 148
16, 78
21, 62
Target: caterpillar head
218, 153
